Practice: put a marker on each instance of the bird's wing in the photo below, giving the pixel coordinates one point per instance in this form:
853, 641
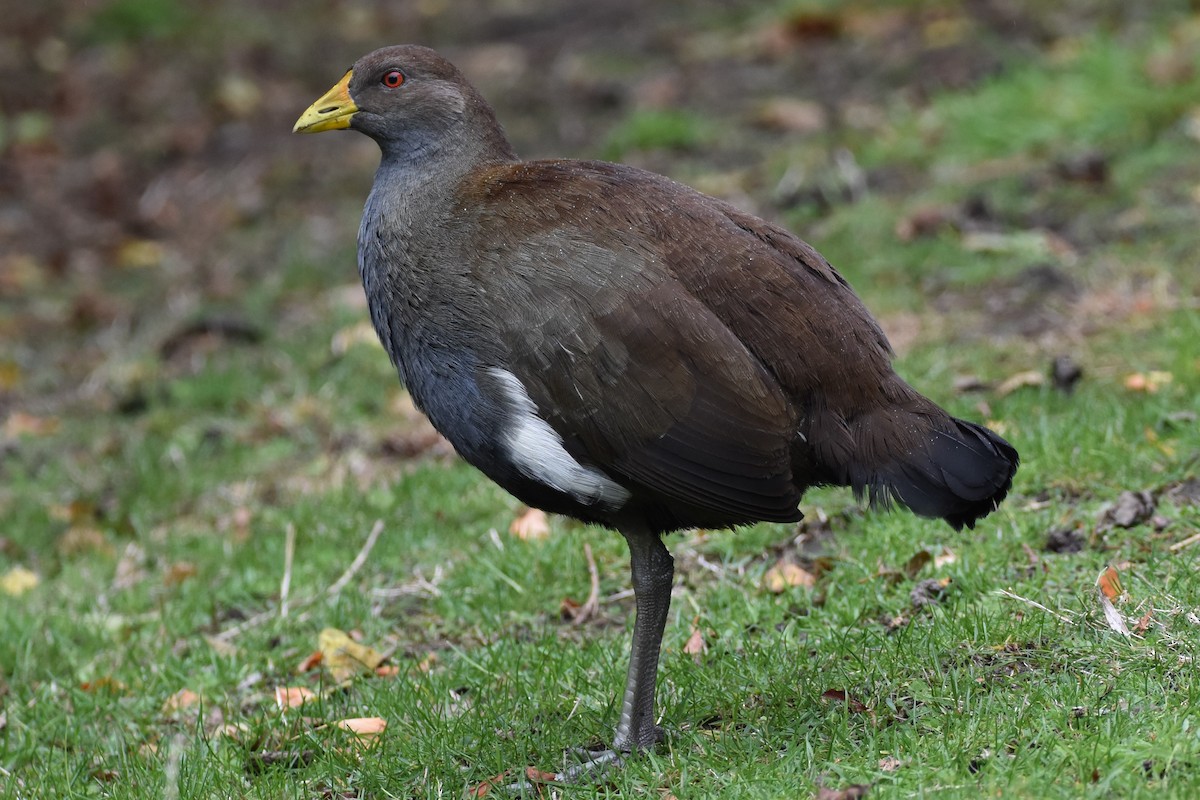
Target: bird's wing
637, 376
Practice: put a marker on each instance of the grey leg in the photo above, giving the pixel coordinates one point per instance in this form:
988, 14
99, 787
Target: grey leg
653, 573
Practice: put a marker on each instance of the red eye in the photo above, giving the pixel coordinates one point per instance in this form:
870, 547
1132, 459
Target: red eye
393, 79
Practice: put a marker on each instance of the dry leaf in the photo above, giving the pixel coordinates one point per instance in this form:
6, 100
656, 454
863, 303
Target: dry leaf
344, 657
17, 581
1021, 380
292, 696
916, 563
695, 645
839, 696
1144, 623
178, 572
852, 792
387, 670
181, 700
945, 558
1109, 582
486, 786
427, 662
1109, 586
531, 526
311, 662
889, 764
21, 424
363, 727
106, 683
1148, 382
785, 575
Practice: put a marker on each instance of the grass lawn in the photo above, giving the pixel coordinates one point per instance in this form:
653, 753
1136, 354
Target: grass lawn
1050, 209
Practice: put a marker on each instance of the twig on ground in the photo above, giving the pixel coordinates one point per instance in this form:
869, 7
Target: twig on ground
332, 591
289, 552
1035, 604
592, 604
358, 561
1188, 542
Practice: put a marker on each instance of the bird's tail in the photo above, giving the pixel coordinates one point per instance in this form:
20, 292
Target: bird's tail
926, 460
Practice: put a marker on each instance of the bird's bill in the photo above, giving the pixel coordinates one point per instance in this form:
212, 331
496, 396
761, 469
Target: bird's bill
331, 112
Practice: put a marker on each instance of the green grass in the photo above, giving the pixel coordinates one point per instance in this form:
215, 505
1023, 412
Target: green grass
978, 695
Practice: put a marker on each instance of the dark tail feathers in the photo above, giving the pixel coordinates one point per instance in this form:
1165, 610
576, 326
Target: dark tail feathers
924, 459
960, 474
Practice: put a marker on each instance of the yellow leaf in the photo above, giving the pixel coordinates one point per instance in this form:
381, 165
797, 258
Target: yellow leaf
344, 657
785, 575
17, 581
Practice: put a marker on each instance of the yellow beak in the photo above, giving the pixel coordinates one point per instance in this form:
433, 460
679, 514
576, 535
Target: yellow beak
331, 112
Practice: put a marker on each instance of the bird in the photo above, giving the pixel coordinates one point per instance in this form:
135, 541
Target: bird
608, 344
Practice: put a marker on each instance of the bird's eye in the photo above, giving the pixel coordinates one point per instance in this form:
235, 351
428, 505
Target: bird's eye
392, 79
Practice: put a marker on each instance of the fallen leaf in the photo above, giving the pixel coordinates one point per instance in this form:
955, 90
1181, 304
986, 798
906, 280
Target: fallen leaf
17, 581
1022, 380
889, 764
310, 662
929, 591
915, 564
1131, 508
81, 539
482, 789
1144, 623
536, 775
344, 657
387, 670
426, 663
1109, 582
785, 575
181, 700
695, 645
839, 696
107, 684
20, 424
1109, 589
852, 792
292, 696
944, 558
793, 115
178, 572
1148, 382
365, 728
531, 526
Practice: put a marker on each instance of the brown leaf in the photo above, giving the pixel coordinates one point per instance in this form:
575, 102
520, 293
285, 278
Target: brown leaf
916, 563
929, 591
106, 684
310, 662
363, 727
839, 696
178, 572
19, 424
1022, 380
785, 575
531, 526
890, 764
536, 775
292, 696
1144, 623
852, 792
695, 645
180, 701
387, 670
1109, 582
1148, 382
944, 558
482, 789
428, 662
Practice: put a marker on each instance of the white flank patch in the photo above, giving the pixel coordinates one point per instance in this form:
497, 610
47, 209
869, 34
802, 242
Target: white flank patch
538, 452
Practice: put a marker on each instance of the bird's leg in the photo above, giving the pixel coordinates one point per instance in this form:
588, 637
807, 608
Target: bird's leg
653, 572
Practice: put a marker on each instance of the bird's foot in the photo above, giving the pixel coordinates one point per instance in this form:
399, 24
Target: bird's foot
589, 767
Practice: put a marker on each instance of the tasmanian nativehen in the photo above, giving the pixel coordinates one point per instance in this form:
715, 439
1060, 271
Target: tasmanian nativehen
608, 344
